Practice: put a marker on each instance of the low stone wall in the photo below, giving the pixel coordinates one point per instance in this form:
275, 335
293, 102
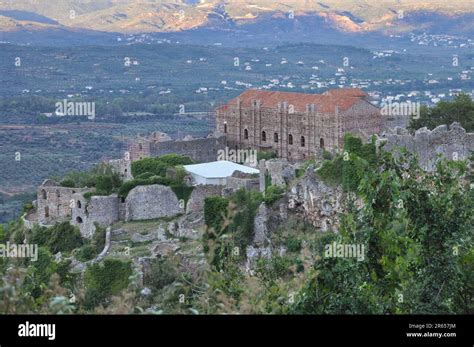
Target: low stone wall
452, 143
200, 150
150, 202
236, 183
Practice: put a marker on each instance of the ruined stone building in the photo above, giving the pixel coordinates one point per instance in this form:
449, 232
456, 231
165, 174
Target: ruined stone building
157, 144
296, 125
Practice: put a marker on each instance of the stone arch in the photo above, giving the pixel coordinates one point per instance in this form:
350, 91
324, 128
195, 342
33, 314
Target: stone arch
79, 220
290, 139
43, 194
264, 136
246, 134
79, 204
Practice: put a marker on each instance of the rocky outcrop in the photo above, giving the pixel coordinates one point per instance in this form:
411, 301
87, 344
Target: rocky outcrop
315, 201
261, 227
280, 171
150, 202
452, 143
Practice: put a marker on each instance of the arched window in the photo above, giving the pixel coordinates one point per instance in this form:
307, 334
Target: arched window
140, 146
46, 212
225, 128
275, 137
79, 220
43, 194
246, 134
302, 141
321, 142
78, 203
264, 136
290, 139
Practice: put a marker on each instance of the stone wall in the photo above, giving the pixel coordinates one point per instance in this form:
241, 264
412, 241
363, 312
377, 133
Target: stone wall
54, 202
452, 143
199, 193
103, 210
240, 180
150, 202
200, 150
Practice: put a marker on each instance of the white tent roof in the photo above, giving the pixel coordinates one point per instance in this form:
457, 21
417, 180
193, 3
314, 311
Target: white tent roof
218, 169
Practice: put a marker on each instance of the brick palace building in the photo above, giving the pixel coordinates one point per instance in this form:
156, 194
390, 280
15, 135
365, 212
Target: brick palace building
296, 126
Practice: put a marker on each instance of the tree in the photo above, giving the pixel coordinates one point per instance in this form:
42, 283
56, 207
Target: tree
461, 110
417, 229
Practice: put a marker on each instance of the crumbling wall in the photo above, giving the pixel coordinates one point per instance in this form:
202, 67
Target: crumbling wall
452, 143
103, 210
123, 167
150, 202
199, 150
280, 171
54, 201
240, 180
199, 193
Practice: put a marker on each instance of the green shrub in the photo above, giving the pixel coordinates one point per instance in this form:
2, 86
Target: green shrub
331, 171
69, 183
182, 192
293, 244
242, 226
62, 237
215, 209
273, 193
27, 207
327, 155
98, 240
161, 273
105, 279
104, 184
266, 155
158, 165
145, 175
86, 253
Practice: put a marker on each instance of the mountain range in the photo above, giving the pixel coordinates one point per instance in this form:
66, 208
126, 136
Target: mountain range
157, 16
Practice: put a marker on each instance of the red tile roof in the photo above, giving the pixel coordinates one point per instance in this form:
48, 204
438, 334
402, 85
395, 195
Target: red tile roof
326, 102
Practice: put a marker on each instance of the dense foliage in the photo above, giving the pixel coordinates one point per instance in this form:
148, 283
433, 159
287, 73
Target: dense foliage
157, 166
461, 110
